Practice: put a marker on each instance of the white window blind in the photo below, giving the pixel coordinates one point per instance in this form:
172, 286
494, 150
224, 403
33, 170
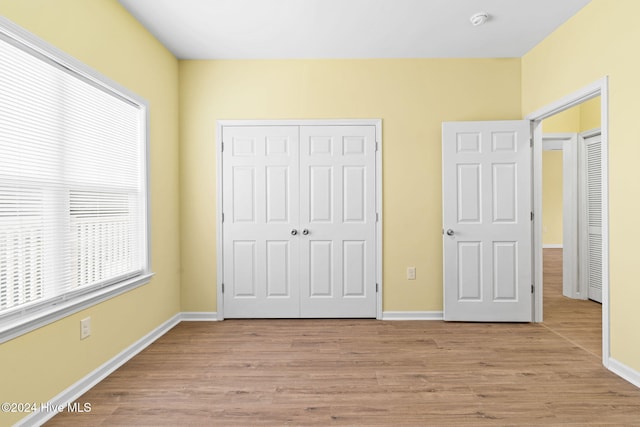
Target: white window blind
73, 217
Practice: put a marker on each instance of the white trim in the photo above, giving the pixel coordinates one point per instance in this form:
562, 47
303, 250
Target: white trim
597, 88
591, 132
552, 246
550, 143
625, 372
305, 122
412, 315
570, 185
199, 316
379, 234
219, 242
77, 389
576, 98
568, 143
220, 124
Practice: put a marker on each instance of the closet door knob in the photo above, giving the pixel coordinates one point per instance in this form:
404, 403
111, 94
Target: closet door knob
294, 232
305, 231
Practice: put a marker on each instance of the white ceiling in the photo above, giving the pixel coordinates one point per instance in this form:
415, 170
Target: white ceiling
278, 29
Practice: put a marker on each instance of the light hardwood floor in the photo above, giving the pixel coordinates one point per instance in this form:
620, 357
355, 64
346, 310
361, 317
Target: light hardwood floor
367, 372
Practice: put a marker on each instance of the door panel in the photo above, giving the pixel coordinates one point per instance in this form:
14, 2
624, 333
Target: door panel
260, 195
244, 269
337, 207
318, 181
278, 280
321, 194
277, 194
469, 194
321, 275
592, 216
486, 212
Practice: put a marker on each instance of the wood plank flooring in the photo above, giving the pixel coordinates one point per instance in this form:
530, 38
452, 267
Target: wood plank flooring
579, 321
367, 372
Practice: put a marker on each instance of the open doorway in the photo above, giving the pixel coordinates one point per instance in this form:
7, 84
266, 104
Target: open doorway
571, 258
598, 89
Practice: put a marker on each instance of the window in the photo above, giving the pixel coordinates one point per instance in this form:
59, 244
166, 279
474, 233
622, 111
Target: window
73, 185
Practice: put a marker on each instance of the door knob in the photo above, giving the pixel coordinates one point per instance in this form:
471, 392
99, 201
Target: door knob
305, 231
450, 232
294, 232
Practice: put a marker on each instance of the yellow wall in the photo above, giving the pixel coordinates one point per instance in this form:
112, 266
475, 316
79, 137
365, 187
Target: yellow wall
601, 40
412, 97
582, 117
590, 114
41, 364
567, 121
552, 197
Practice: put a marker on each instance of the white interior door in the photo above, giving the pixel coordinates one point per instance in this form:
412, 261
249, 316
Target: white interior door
299, 221
592, 216
487, 230
338, 211
260, 199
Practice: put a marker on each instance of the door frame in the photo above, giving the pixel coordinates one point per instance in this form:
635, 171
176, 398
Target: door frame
568, 144
220, 124
598, 88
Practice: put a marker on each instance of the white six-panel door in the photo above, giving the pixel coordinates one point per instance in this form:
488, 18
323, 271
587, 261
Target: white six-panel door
487, 221
299, 207
260, 199
337, 209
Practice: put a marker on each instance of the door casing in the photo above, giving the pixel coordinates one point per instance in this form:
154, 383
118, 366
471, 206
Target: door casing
220, 124
568, 144
598, 88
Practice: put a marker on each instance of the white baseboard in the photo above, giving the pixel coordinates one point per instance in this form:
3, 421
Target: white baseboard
552, 246
199, 316
76, 390
625, 372
412, 315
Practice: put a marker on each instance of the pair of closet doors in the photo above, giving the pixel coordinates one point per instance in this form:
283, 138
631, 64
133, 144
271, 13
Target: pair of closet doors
299, 221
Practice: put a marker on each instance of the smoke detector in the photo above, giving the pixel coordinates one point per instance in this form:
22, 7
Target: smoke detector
479, 18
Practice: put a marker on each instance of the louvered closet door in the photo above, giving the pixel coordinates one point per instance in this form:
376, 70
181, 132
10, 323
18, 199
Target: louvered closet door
260, 200
593, 221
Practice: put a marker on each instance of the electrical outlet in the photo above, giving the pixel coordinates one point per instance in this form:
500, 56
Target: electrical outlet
411, 273
85, 328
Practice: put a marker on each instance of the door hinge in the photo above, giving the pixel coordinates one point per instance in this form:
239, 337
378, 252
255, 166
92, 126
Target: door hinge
222, 146
377, 146
531, 216
222, 216
377, 217
532, 288
223, 288
531, 142
376, 288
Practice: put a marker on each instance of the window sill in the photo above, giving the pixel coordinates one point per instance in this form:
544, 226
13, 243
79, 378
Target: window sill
40, 318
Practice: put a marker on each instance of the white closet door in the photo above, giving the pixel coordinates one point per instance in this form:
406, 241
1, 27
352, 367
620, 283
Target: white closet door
593, 220
260, 199
337, 210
